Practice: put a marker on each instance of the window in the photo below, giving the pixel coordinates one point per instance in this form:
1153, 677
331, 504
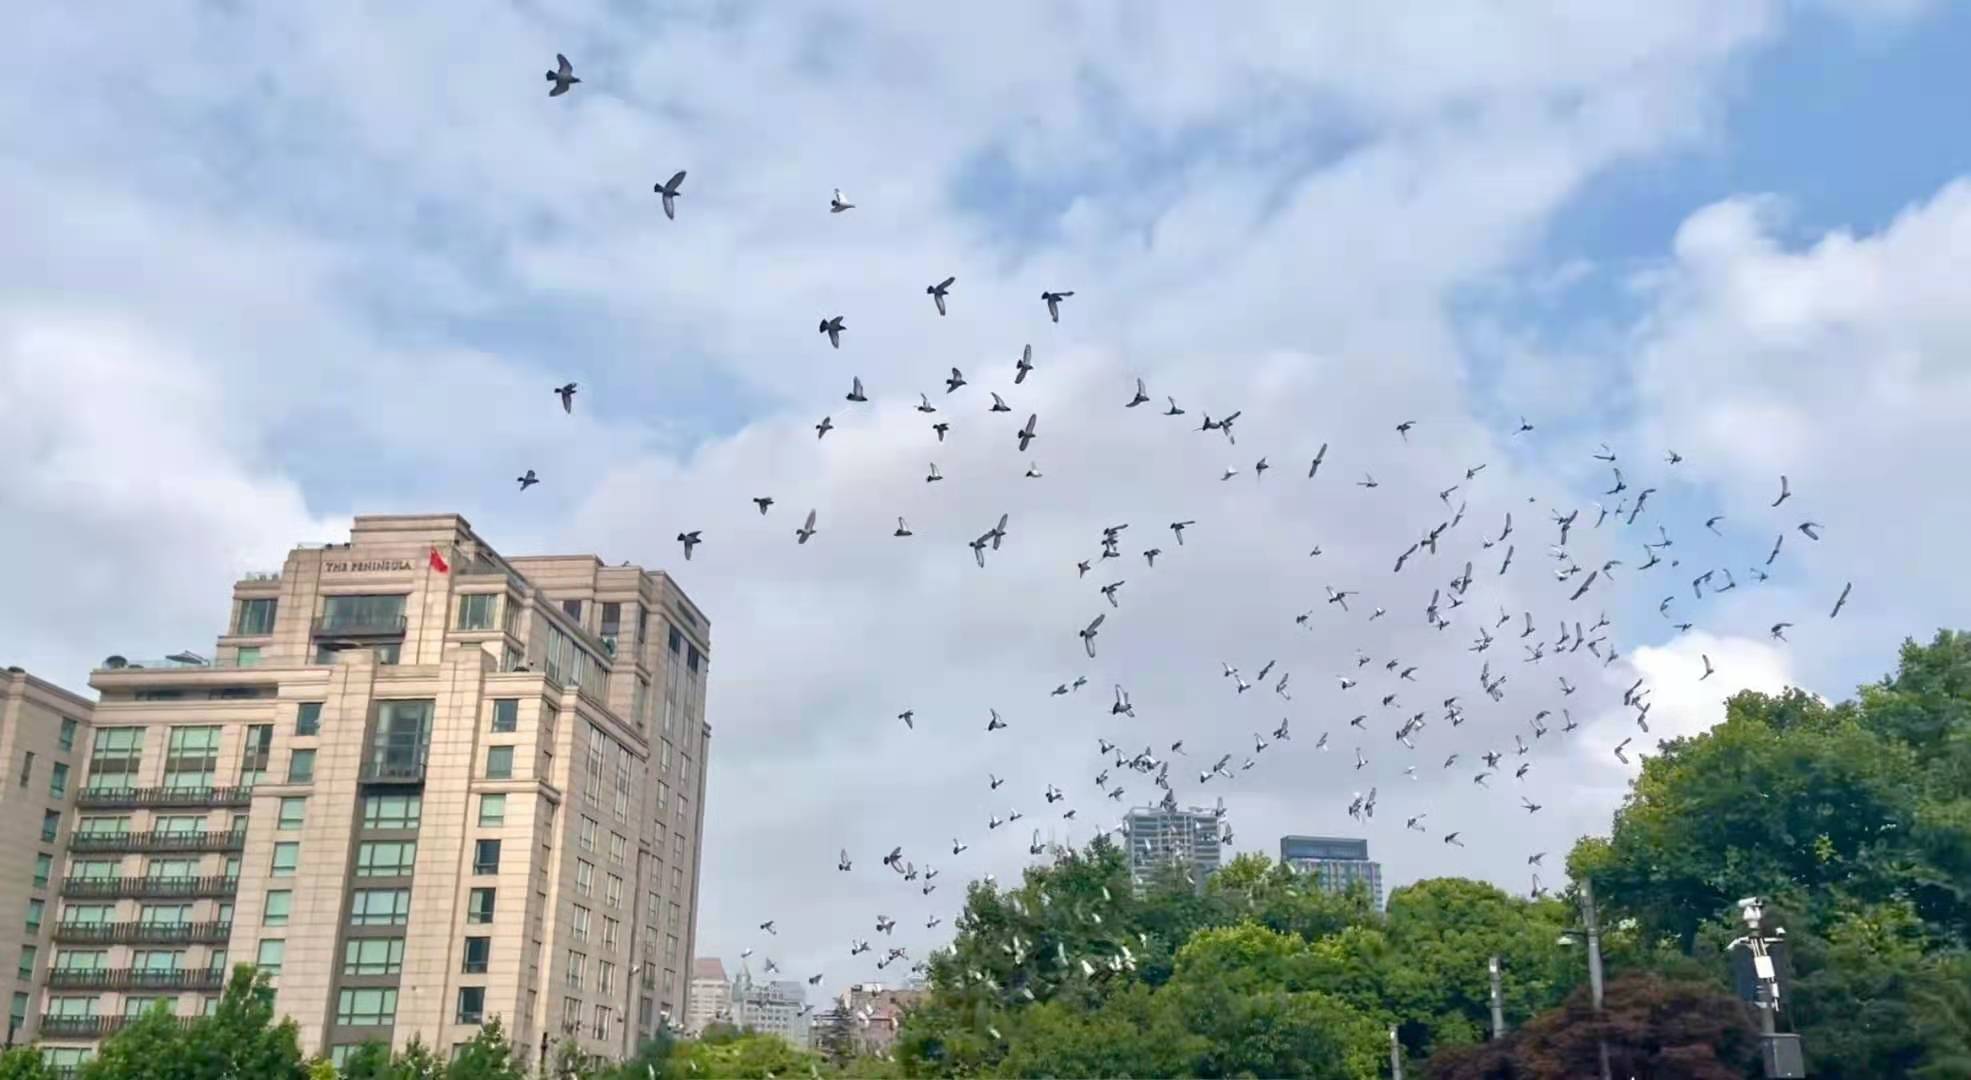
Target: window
677, 847
677, 879
579, 929
380, 907
292, 811
578, 969
472, 1004
346, 614
113, 759
366, 1008
51, 825
28, 954
612, 890
255, 755
403, 730
610, 929
58, 781
272, 952
585, 836
300, 766
479, 906
27, 767
584, 877
506, 714
171, 869
478, 611
44, 864
287, 856
247, 656
256, 618
164, 914
573, 609
605, 977
69, 726
191, 757
275, 911
499, 763
619, 846
478, 953
385, 858
373, 956
17, 1012
158, 959
308, 718
35, 910
486, 857
492, 810
392, 811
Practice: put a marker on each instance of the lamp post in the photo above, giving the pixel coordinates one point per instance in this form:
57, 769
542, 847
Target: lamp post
1781, 1053
1395, 1055
1591, 932
1498, 1007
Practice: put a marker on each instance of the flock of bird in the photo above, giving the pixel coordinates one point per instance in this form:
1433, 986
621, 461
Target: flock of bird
1381, 711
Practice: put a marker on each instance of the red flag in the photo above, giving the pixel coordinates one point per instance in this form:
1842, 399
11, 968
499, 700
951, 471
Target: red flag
438, 562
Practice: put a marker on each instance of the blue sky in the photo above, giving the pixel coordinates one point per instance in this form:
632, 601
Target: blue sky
275, 269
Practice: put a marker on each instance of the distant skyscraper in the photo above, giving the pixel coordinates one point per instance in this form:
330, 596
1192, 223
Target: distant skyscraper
775, 1007
1335, 861
710, 997
1159, 835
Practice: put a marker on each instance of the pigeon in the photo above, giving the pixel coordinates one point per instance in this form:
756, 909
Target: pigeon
1778, 630
939, 290
822, 429
999, 404
995, 723
855, 391
1033, 471
527, 479
957, 380
567, 397
689, 540
1259, 470
768, 927
1173, 410
838, 204
842, 862
1150, 556
1088, 632
563, 76
763, 502
1452, 838
832, 326
1806, 527
669, 190
805, 530
1054, 303
1176, 527
1319, 456
935, 475
941, 428
1026, 433
903, 529
1025, 365
1708, 669
1784, 491
1403, 429
1839, 603
1229, 473
1523, 426
1140, 397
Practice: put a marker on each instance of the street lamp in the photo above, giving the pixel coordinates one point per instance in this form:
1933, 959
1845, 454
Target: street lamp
1757, 977
1590, 932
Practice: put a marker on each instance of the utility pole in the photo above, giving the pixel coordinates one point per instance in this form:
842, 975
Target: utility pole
1498, 1007
1395, 1055
1593, 928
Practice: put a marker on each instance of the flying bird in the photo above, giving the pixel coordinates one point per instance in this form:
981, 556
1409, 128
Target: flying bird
855, 391
1140, 397
1054, 303
902, 529
689, 540
838, 204
763, 502
832, 326
1839, 603
999, 403
567, 397
527, 479
1026, 433
669, 190
1088, 633
939, 290
1319, 456
1025, 365
957, 380
806, 530
563, 76
1808, 527
822, 429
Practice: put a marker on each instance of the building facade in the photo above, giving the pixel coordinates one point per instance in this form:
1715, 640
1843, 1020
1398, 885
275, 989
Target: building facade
710, 999
44, 736
420, 784
1336, 862
778, 1007
1159, 836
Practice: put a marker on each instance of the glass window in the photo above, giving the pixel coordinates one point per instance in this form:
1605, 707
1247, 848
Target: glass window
380, 907
273, 951
612, 890
472, 1004
573, 609
69, 726
610, 929
247, 656
578, 969
367, 1008
346, 614
479, 906
44, 864
51, 825
254, 755
287, 856
580, 927
403, 731
392, 811
619, 846
308, 718
275, 912
300, 766
478, 953
585, 836
293, 809
256, 618
171, 869
373, 956
58, 781
27, 767
486, 857
584, 877
191, 757
115, 754
506, 714
35, 910
499, 762
385, 858
478, 611
492, 810
28, 954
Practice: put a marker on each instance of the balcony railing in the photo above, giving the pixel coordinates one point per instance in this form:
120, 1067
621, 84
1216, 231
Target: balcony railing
91, 1027
364, 626
146, 798
203, 840
394, 770
145, 887
143, 933
171, 663
254, 576
136, 979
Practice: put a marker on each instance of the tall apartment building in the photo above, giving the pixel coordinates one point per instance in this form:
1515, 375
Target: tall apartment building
1160, 835
711, 995
422, 784
778, 1007
1336, 862
44, 733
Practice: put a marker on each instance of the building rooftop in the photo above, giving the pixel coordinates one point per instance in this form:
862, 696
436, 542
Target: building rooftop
708, 967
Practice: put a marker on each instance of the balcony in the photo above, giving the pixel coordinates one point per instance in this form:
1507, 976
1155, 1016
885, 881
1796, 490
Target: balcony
148, 887
137, 979
142, 933
180, 662
215, 840
152, 798
394, 770
362, 627
91, 1027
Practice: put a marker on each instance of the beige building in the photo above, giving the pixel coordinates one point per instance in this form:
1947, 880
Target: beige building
44, 734
422, 784
711, 995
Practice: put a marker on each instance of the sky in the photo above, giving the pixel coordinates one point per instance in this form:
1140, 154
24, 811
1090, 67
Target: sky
273, 267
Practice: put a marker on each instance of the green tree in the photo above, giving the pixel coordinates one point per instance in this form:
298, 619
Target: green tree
488, 1056
24, 1063
368, 1061
240, 1038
